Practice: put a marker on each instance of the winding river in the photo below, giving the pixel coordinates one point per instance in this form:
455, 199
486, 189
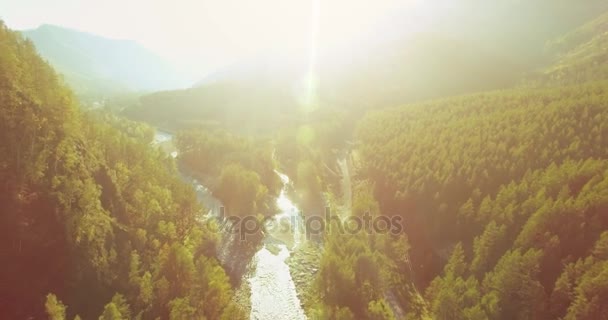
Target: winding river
273, 291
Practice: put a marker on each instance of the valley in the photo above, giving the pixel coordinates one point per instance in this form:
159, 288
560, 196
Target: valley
448, 162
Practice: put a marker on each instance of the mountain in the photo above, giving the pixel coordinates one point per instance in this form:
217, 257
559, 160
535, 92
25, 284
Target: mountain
95, 66
462, 47
267, 91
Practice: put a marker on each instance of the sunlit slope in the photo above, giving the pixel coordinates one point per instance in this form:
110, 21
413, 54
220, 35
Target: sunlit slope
250, 104
96, 66
453, 146
504, 201
91, 215
580, 55
519, 178
258, 96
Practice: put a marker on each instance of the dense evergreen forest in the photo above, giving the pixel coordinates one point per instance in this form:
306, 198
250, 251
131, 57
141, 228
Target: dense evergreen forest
95, 222
496, 178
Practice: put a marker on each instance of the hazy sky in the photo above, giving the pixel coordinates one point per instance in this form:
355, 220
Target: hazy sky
207, 33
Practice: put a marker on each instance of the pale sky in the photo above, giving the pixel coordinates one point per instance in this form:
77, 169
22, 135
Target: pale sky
207, 34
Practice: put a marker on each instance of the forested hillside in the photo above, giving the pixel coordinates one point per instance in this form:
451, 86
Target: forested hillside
94, 221
580, 55
243, 107
504, 191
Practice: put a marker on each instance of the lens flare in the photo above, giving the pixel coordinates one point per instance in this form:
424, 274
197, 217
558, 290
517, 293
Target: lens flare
311, 75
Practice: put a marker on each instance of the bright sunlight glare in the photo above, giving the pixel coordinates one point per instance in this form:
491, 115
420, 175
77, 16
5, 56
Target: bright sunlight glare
312, 55
209, 34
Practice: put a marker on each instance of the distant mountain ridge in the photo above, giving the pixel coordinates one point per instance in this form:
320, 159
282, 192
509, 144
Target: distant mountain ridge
411, 68
97, 66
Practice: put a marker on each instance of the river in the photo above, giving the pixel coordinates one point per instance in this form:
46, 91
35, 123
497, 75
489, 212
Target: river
273, 291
